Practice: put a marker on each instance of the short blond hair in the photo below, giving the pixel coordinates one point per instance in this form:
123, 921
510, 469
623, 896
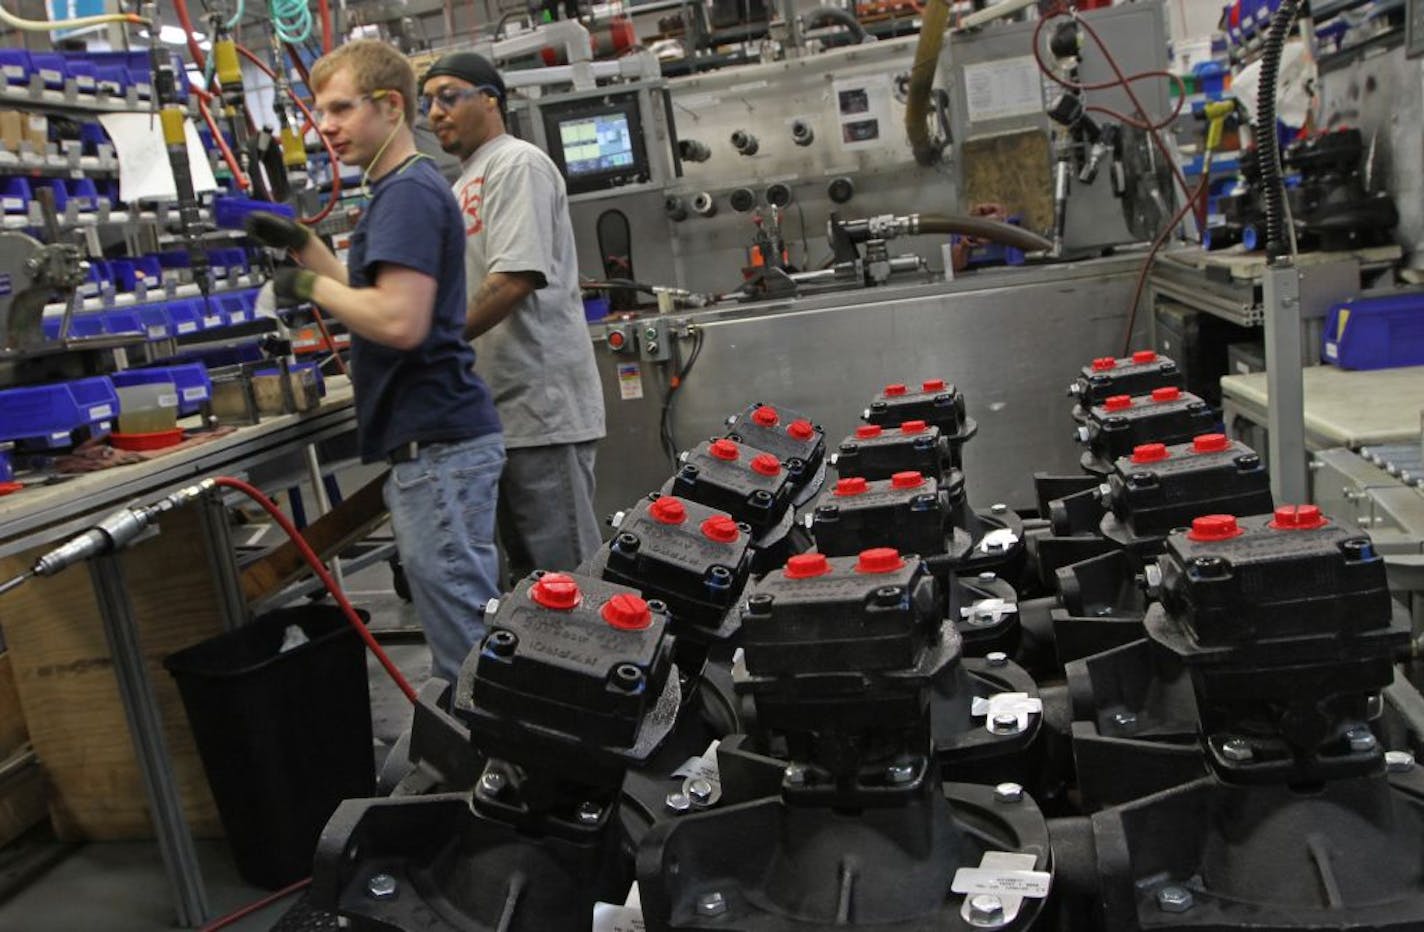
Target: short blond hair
375, 65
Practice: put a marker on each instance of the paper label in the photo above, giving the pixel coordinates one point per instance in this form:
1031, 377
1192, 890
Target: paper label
157, 332
168, 401
99, 411
630, 381
195, 394
187, 327
610, 918
1007, 88
14, 71
973, 880
212, 320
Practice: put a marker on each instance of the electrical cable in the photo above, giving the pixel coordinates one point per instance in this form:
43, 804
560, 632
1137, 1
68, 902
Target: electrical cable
675, 383
79, 22
236, 18
236, 915
1152, 257
324, 575
242, 181
1268, 146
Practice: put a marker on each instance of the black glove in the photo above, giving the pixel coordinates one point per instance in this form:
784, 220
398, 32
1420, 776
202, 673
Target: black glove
293, 285
276, 231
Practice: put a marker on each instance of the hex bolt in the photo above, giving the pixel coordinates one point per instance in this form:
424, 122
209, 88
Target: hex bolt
1125, 720
627, 543
985, 909
1398, 761
1174, 899
711, 904
1004, 723
898, 774
627, 677
1361, 739
1237, 750
997, 658
1008, 793
678, 802
700, 792
381, 886
589, 813
501, 642
492, 782
794, 775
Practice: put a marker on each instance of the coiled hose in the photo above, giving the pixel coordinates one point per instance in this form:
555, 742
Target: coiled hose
1268, 147
291, 20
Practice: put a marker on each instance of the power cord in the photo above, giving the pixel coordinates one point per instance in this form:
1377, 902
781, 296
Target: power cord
675, 383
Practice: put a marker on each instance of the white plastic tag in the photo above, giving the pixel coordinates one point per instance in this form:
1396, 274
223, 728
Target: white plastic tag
973, 880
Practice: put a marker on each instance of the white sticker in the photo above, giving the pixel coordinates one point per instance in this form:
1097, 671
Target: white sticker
14, 71
168, 401
50, 76
195, 394
84, 82
99, 411
610, 918
187, 327
212, 320
1007, 88
157, 332
704, 767
1332, 350
630, 381
972, 880
14, 203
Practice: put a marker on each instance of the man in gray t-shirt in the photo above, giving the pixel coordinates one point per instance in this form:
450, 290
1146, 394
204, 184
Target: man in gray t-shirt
525, 314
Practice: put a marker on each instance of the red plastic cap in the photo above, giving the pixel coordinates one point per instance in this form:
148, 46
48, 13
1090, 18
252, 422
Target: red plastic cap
724, 449
1298, 518
879, 560
852, 485
766, 464
1214, 527
933, 385
7, 488
896, 389
866, 431
627, 612
801, 430
914, 427
1104, 363
668, 510
907, 480
1210, 443
1149, 452
722, 529
766, 416
1144, 356
556, 591
806, 565
1168, 393
1118, 402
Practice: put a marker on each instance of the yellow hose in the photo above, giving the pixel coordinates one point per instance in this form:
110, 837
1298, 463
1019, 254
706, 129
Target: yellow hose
50, 25
933, 23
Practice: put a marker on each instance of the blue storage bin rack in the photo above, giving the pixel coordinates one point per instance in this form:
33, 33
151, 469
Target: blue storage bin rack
51, 68
190, 379
187, 316
101, 272
210, 313
15, 195
238, 306
1378, 332
83, 192
229, 213
157, 324
45, 416
128, 272
61, 193
112, 80
16, 66
87, 325
85, 75
122, 321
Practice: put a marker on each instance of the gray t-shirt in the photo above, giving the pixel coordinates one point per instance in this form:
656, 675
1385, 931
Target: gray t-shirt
538, 361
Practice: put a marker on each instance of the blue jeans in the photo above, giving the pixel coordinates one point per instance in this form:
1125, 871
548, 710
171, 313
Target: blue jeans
442, 506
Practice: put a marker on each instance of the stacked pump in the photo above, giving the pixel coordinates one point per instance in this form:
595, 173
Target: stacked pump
799, 689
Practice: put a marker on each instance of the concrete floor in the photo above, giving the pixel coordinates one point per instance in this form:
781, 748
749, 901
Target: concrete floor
122, 887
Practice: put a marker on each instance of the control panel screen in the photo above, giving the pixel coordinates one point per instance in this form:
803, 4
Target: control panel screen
596, 144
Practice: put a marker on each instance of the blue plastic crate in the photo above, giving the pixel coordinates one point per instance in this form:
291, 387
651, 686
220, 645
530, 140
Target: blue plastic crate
187, 316
47, 415
230, 213
15, 195
112, 80
89, 324
51, 68
122, 321
15, 65
157, 324
211, 314
1379, 332
85, 75
189, 379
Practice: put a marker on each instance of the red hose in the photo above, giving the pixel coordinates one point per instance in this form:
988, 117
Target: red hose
227, 155
242, 913
306, 112
186, 22
324, 575
324, 6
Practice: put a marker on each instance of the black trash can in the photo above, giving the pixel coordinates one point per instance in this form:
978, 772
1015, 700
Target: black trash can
284, 736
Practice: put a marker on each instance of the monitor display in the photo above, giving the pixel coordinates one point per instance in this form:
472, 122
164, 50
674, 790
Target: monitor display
596, 144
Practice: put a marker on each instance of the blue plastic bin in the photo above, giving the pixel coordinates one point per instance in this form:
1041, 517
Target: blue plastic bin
15, 195
16, 66
51, 68
112, 80
229, 213
157, 325
187, 316
47, 415
1379, 332
190, 379
85, 75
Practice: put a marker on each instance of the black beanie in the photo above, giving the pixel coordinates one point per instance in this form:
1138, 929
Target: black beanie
471, 67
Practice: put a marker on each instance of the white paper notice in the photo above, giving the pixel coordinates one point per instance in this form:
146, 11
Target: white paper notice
1007, 88
143, 160
610, 918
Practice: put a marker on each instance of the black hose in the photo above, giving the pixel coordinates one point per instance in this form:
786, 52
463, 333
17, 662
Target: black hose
933, 23
840, 17
984, 228
1268, 147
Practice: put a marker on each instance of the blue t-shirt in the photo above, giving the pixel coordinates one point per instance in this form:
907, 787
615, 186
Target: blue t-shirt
430, 393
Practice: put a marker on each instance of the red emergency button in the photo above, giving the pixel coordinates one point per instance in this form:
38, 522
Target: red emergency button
1118, 402
721, 529
933, 385
724, 449
627, 612
556, 591
1210, 443
1168, 393
806, 565
907, 480
1104, 363
668, 510
1214, 527
896, 389
914, 427
1149, 452
766, 464
879, 560
866, 431
1298, 518
801, 430
765, 416
852, 485
1144, 356
616, 340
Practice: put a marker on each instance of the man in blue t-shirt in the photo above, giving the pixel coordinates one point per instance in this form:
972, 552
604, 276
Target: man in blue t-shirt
419, 405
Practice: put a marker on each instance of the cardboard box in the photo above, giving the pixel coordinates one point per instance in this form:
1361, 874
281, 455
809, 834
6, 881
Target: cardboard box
35, 129
11, 131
